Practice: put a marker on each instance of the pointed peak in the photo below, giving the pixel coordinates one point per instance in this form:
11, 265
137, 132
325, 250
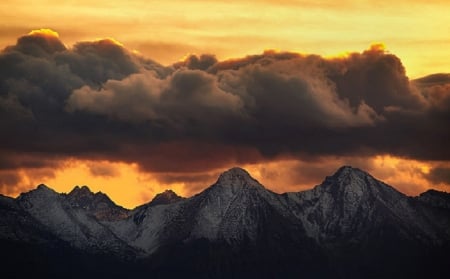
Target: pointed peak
346, 168
166, 197
348, 175
81, 190
235, 172
345, 171
348, 179
237, 177
43, 187
39, 191
168, 193
85, 188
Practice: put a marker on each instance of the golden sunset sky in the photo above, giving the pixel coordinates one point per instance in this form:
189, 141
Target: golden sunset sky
417, 32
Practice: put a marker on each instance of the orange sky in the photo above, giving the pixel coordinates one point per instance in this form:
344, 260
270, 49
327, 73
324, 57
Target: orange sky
416, 31
128, 186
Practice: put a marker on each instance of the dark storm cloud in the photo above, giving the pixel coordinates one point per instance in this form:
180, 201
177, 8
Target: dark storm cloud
99, 101
436, 89
188, 156
439, 175
98, 61
12, 161
434, 79
194, 182
38, 45
13, 182
103, 170
186, 96
8, 179
194, 62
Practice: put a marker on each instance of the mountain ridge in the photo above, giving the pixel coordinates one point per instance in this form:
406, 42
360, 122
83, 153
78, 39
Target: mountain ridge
351, 223
171, 192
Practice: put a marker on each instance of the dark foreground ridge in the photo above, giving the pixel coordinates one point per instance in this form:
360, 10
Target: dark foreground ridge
349, 226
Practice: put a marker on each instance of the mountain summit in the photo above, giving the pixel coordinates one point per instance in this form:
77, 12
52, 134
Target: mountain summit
97, 204
166, 197
236, 173
352, 205
237, 178
349, 226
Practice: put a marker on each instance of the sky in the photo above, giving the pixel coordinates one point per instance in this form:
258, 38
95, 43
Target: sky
135, 97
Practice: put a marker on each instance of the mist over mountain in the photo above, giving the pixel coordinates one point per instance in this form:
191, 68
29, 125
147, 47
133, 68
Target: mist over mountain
350, 226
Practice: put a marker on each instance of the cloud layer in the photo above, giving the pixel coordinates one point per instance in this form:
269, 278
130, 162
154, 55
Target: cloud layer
99, 101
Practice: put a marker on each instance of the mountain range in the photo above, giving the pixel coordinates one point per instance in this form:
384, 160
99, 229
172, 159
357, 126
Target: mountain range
350, 226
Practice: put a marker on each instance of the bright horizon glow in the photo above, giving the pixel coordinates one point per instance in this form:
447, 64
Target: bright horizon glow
128, 186
166, 31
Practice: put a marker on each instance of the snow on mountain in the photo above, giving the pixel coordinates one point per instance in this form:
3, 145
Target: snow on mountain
346, 206
351, 204
71, 223
435, 198
197, 217
232, 209
224, 210
144, 229
348, 213
17, 225
97, 204
166, 197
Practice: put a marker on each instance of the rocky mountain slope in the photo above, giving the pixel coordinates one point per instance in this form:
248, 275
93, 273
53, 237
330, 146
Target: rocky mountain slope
350, 226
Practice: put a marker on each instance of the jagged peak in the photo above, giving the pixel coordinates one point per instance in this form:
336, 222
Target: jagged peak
77, 190
84, 192
166, 197
168, 193
43, 187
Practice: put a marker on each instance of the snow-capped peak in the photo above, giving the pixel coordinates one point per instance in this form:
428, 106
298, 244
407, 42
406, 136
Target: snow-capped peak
237, 177
350, 209
350, 179
346, 171
355, 183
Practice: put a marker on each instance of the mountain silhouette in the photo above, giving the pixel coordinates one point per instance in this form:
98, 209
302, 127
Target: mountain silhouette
350, 226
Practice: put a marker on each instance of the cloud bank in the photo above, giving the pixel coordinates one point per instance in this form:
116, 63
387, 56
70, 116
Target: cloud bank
99, 101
